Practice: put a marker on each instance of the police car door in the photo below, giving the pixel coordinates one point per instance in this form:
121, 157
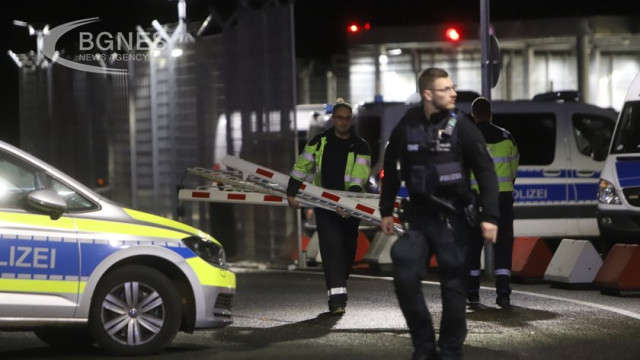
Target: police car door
39, 256
590, 133
541, 186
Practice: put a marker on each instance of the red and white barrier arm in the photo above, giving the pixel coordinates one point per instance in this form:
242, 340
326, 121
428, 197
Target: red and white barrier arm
238, 197
314, 194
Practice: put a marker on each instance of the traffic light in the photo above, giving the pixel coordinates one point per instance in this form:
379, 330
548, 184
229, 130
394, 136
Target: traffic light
453, 34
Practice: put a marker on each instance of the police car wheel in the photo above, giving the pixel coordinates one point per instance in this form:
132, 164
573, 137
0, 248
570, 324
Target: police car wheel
71, 338
135, 310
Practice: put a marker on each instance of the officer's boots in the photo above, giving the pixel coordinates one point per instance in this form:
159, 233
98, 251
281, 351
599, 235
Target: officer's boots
473, 294
503, 289
337, 304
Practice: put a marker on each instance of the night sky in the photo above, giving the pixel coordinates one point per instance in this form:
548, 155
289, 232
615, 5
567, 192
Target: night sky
320, 24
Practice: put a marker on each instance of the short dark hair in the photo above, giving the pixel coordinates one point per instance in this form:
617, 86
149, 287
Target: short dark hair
341, 103
481, 108
429, 76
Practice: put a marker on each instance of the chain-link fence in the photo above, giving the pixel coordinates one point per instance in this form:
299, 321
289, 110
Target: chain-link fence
132, 136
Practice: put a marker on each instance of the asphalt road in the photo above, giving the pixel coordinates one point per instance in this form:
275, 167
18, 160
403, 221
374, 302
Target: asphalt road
282, 315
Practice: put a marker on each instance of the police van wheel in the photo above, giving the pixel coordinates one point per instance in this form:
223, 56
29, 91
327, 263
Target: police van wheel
61, 338
134, 311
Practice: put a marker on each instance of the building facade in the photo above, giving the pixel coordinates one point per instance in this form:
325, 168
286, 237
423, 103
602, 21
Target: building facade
598, 56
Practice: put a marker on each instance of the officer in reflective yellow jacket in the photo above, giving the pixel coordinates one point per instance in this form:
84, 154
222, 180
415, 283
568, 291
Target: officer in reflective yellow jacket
336, 159
505, 156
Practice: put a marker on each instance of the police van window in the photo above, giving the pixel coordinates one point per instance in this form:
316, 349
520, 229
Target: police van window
593, 135
17, 179
535, 135
627, 137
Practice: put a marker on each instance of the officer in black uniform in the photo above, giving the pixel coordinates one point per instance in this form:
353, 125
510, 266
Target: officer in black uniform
432, 150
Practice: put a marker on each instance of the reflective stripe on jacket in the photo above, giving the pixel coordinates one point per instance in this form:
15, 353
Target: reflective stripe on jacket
309, 165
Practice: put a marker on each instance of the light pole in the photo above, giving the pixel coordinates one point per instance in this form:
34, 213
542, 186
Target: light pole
485, 43
487, 77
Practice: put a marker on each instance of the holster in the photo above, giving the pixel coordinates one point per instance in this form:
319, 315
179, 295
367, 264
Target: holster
471, 212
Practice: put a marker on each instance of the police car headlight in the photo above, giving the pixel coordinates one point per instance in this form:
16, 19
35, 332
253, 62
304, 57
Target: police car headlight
209, 251
607, 193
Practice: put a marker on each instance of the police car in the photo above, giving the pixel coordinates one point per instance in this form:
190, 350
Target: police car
79, 269
562, 143
619, 190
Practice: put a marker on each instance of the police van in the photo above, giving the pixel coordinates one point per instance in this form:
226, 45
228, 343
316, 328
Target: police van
619, 190
79, 269
562, 145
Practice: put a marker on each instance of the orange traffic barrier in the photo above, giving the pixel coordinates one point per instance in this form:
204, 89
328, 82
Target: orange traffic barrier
363, 246
361, 250
433, 262
620, 270
305, 243
531, 257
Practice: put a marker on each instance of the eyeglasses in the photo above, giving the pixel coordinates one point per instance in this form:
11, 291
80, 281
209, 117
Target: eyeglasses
448, 89
345, 118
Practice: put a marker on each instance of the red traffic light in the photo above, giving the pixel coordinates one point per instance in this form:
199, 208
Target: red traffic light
452, 34
353, 28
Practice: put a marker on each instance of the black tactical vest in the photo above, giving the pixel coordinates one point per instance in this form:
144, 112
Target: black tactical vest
432, 159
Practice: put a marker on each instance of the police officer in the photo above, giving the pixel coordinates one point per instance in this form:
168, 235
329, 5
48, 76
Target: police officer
335, 159
505, 155
432, 150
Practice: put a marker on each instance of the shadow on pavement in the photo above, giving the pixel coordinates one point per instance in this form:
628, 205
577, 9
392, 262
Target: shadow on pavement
478, 353
512, 316
256, 338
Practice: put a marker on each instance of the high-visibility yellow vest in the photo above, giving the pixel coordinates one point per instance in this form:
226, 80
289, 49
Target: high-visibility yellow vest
308, 167
504, 153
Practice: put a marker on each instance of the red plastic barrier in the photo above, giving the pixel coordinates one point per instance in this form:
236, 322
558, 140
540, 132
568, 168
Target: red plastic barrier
305, 243
363, 246
531, 257
433, 262
621, 268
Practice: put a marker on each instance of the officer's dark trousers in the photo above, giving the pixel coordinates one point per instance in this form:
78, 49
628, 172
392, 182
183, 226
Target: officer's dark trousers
502, 249
410, 253
338, 239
